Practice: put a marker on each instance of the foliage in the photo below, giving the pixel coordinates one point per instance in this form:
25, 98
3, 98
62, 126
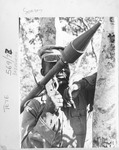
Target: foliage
78, 25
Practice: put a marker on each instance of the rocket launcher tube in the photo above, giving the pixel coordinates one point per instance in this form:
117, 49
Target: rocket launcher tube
40, 85
69, 55
78, 45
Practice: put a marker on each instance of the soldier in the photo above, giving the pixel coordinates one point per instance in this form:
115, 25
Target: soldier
58, 118
41, 123
82, 93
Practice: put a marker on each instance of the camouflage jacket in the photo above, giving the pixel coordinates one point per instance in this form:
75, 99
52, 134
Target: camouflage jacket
43, 127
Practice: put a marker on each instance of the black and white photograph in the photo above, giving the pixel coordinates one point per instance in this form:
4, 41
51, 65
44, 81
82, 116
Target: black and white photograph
59, 77
67, 81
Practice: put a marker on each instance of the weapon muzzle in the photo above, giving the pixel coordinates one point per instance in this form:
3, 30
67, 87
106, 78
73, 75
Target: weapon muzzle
78, 45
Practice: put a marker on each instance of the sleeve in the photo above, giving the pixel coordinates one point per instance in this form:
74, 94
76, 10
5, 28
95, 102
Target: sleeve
91, 79
90, 89
29, 120
81, 84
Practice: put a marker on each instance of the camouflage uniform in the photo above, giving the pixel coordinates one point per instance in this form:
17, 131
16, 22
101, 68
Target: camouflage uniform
69, 128
38, 118
41, 122
43, 126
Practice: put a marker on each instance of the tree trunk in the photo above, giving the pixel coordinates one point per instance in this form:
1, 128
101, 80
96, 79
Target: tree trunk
105, 115
48, 31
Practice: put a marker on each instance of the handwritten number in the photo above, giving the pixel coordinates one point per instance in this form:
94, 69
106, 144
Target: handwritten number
8, 51
8, 72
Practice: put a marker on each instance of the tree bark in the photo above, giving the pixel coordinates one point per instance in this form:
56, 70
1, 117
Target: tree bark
48, 31
106, 100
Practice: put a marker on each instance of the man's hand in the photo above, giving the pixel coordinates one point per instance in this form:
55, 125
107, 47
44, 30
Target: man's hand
55, 96
73, 90
57, 99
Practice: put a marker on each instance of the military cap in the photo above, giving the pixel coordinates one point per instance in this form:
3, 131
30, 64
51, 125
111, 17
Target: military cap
50, 52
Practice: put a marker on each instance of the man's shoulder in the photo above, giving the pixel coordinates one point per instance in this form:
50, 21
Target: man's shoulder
91, 79
34, 103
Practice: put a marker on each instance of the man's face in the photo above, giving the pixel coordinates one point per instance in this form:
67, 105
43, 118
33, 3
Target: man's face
63, 75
